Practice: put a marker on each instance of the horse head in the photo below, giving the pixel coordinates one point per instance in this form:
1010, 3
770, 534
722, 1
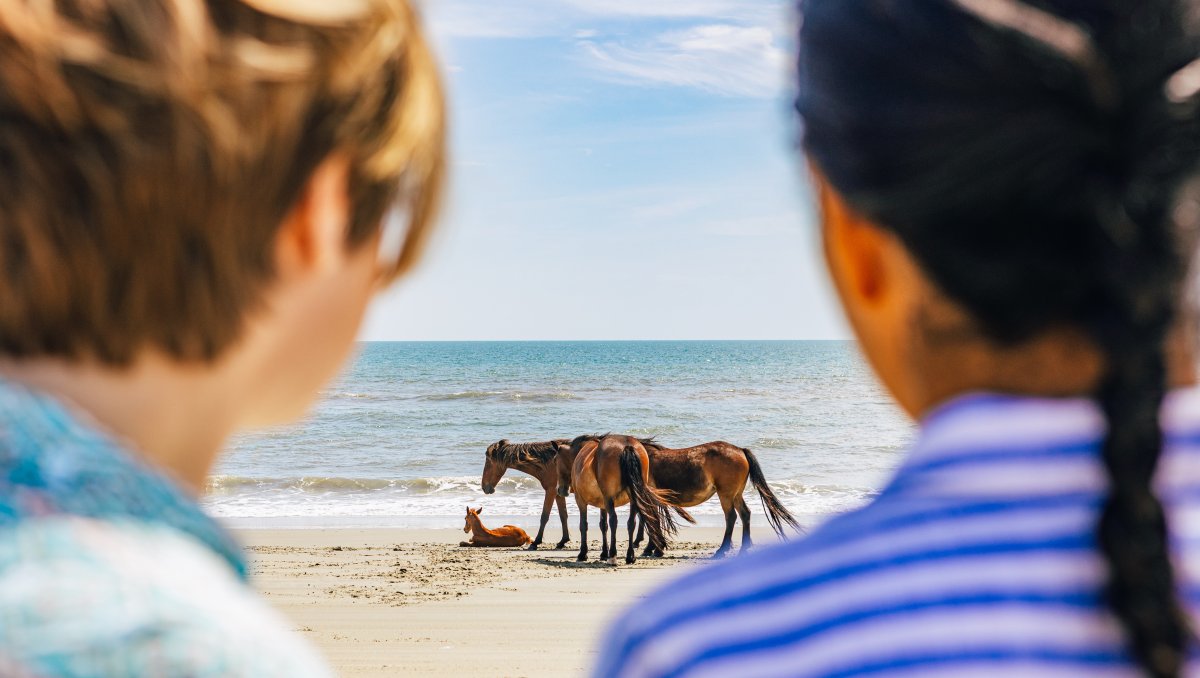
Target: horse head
493, 466
472, 518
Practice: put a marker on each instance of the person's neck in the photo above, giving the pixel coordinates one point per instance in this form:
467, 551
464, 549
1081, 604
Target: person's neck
176, 417
1056, 365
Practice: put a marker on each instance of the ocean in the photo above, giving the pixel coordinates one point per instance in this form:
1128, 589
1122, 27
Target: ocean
398, 440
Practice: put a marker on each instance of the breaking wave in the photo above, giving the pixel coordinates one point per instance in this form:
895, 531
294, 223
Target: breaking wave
535, 396
515, 495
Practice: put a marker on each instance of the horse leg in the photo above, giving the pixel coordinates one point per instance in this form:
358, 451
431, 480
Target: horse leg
744, 511
728, 508
612, 528
562, 515
549, 502
641, 534
633, 519
582, 532
603, 534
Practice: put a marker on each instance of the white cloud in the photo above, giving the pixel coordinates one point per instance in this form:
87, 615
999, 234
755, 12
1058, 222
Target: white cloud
586, 33
739, 9
669, 209
788, 223
490, 19
722, 58
534, 18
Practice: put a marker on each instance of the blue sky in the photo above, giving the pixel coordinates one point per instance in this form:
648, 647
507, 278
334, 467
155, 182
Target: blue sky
621, 169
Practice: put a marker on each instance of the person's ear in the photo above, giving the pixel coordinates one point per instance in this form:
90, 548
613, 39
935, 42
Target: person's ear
856, 250
881, 287
312, 236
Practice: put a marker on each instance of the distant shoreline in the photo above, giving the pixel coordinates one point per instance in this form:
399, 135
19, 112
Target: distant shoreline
705, 523
606, 341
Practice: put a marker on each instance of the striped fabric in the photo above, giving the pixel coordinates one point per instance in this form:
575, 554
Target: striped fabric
978, 559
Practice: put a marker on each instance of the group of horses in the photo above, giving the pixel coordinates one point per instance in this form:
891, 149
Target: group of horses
658, 483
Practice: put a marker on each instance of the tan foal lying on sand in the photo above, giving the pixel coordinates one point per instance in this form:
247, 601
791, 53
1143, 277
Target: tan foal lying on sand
509, 535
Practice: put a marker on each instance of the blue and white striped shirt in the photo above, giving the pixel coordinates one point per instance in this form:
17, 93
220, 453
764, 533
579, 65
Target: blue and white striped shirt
978, 559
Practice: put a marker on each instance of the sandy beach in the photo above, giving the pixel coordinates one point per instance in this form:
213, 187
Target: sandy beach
384, 602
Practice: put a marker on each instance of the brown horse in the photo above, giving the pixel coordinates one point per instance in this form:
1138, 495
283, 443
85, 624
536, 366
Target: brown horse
695, 474
538, 460
609, 471
509, 535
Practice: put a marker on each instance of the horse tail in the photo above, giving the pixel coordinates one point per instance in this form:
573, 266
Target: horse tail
679, 509
777, 513
646, 500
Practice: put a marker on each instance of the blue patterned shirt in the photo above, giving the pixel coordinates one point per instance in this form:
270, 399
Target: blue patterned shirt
108, 568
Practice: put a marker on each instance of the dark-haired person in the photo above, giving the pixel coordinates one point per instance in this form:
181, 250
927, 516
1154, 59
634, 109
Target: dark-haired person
1010, 201
197, 200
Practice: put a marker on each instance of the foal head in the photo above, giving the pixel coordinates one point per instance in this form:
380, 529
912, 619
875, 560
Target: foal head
472, 519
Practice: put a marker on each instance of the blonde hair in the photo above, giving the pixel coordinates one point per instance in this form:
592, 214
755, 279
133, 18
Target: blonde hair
149, 150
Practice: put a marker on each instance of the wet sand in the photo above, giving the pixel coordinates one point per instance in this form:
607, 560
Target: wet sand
385, 602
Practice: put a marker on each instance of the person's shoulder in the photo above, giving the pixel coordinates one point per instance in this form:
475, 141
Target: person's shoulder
673, 621
87, 597
911, 577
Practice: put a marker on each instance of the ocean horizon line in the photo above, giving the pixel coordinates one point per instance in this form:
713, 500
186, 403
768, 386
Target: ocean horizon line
603, 341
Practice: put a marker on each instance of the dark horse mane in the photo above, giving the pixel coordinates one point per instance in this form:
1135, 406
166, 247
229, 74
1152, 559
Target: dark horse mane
515, 453
587, 437
651, 444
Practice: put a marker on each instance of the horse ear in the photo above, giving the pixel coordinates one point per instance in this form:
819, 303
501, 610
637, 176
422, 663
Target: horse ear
479, 510
502, 443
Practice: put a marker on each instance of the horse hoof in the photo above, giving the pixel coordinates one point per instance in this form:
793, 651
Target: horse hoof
629, 560
464, 543
532, 547
582, 558
560, 546
720, 554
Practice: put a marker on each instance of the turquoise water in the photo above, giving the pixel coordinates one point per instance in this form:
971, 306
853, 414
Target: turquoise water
399, 439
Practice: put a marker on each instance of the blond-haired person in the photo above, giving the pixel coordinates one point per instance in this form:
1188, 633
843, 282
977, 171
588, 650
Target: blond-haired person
197, 201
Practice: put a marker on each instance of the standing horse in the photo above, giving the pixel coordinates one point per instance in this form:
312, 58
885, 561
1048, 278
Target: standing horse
695, 474
538, 460
609, 471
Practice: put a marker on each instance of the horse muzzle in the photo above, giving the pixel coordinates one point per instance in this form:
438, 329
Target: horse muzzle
488, 489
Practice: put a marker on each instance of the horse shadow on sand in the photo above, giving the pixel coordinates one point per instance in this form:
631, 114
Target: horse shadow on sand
571, 563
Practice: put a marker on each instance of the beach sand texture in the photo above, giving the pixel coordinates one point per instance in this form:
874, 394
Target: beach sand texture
386, 602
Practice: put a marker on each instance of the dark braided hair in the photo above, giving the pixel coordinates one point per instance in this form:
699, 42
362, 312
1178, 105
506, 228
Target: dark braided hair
1034, 157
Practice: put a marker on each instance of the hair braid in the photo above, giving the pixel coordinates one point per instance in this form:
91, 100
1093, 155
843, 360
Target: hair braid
1144, 289
1133, 530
